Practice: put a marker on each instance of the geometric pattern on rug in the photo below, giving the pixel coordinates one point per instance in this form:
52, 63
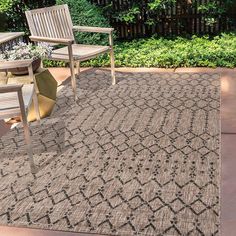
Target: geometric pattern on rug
138, 158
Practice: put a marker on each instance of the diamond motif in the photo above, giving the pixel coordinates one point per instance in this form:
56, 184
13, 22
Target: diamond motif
198, 207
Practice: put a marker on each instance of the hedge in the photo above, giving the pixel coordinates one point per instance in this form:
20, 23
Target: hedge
84, 13
171, 53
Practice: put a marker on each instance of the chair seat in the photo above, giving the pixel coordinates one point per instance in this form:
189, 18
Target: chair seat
81, 52
9, 103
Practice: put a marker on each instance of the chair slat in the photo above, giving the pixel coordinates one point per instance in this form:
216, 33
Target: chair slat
54, 22
60, 29
64, 24
43, 23
51, 24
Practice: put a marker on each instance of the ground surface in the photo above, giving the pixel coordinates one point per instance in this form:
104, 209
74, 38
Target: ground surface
228, 148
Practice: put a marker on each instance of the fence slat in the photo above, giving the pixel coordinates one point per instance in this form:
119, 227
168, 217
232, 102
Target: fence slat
180, 19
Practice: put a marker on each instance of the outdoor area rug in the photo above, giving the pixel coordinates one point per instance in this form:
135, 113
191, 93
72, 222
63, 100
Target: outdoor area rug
138, 158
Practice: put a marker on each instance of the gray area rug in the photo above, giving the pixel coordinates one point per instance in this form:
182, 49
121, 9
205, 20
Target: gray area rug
138, 158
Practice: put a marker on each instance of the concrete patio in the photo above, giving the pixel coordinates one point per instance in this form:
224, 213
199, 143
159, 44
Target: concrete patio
228, 130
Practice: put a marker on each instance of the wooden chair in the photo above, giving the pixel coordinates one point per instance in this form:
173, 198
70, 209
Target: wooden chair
16, 99
54, 25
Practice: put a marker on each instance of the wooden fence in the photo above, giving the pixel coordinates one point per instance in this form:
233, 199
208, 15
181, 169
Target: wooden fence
180, 19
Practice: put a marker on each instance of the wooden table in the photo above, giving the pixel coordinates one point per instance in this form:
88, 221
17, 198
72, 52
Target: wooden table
47, 87
9, 39
46, 83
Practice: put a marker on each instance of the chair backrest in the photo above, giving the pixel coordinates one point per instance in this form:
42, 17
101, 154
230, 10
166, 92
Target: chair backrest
51, 22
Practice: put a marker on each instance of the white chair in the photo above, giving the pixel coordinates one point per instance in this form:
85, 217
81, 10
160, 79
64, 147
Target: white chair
15, 100
54, 25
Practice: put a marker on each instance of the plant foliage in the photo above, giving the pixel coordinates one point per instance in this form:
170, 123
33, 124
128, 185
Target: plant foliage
131, 11
14, 11
171, 53
5, 5
213, 9
85, 13
26, 51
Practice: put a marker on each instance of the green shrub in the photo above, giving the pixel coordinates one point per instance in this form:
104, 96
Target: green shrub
5, 5
14, 12
131, 11
52, 63
84, 13
171, 53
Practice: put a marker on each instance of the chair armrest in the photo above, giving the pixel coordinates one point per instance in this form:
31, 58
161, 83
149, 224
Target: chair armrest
93, 29
5, 65
52, 40
10, 88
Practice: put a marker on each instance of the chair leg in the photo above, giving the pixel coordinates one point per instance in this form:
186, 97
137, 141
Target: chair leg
113, 77
73, 80
35, 98
36, 107
7, 76
78, 68
26, 131
28, 142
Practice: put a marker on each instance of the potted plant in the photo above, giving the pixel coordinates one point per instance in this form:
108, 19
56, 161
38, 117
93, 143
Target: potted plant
23, 51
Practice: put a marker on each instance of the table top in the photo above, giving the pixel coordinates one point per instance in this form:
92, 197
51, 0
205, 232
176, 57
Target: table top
8, 36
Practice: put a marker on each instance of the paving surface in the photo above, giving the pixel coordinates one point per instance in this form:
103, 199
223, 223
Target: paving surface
228, 212
228, 150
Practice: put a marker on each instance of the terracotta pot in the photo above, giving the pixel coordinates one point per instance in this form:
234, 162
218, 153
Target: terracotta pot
24, 70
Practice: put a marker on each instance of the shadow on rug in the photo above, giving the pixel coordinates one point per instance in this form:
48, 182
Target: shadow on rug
137, 158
